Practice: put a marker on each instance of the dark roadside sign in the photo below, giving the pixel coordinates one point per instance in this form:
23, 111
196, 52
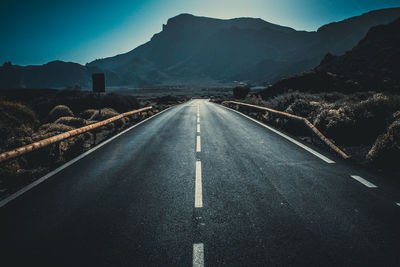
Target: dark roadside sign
99, 83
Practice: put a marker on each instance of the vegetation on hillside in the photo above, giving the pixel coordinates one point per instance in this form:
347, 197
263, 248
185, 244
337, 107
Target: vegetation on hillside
365, 124
30, 116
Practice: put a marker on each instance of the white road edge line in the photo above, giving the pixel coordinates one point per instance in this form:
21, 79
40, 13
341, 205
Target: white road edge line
198, 119
312, 151
198, 127
198, 255
198, 144
363, 181
69, 163
198, 194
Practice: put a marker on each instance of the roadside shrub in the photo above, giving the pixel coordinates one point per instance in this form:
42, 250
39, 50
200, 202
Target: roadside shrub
72, 147
89, 114
21, 136
71, 121
106, 113
337, 124
58, 112
17, 123
15, 114
51, 129
386, 149
304, 108
396, 115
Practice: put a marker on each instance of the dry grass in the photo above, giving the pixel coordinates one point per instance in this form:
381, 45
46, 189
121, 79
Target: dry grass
71, 121
89, 114
386, 150
17, 122
364, 119
60, 111
21, 125
105, 113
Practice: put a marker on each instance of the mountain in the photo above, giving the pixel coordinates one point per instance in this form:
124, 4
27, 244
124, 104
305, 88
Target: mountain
55, 74
193, 50
373, 64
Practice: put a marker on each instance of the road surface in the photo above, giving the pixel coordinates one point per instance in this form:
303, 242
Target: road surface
201, 185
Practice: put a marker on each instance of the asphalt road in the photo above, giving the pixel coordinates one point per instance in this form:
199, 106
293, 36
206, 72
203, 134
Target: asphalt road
227, 192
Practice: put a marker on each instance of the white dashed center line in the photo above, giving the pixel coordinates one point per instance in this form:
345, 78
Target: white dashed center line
363, 181
198, 255
198, 248
198, 145
198, 201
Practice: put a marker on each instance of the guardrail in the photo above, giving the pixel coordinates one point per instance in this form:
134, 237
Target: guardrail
57, 138
306, 122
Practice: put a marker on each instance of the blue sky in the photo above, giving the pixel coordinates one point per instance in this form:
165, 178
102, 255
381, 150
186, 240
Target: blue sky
36, 32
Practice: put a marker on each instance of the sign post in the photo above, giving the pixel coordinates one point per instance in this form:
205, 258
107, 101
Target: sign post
99, 86
99, 82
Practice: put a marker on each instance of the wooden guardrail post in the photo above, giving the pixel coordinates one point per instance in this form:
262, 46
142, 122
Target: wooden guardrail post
57, 138
288, 116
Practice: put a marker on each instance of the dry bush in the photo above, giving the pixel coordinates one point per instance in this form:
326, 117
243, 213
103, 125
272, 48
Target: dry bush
347, 119
58, 112
17, 124
386, 149
89, 114
283, 101
396, 115
15, 173
51, 129
71, 121
105, 113
74, 146
304, 108
54, 127
15, 114
338, 124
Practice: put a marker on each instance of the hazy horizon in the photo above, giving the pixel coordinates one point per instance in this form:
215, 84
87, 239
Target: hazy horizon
79, 31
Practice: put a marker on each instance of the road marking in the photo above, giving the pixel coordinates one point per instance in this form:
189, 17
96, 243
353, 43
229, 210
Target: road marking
69, 163
398, 204
198, 255
198, 146
363, 181
198, 128
198, 119
315, 153
198, 195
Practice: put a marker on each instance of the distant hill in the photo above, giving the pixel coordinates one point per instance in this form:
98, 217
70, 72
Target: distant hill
55, 74
194, 50
373, 64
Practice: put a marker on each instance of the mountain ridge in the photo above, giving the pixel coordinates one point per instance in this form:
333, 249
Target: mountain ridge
194, 50
372, 65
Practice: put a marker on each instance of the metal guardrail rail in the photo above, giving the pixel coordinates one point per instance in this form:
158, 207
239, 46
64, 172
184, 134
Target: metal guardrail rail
57, 138
306, 122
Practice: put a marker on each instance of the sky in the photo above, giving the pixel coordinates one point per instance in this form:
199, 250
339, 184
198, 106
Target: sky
36, 32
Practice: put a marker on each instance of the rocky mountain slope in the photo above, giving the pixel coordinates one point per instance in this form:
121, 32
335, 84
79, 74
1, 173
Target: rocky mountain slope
194, 50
